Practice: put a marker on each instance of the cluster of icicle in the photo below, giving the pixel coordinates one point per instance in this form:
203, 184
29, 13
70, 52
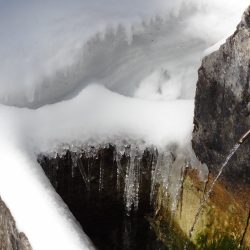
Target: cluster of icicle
164, 171
132, 178
167, 170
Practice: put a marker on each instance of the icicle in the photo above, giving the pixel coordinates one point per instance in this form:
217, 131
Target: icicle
74, 157
101, 172
129, 182
154, 174
166, 171
161, 172
132, 180
178, 189
117, 157
119, 170
137, 182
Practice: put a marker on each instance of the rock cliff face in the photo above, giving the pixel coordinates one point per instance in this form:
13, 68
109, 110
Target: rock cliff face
10, 238
222, 106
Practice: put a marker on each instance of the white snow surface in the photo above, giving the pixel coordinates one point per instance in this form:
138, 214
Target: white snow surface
100, 115
91, 72
50, 50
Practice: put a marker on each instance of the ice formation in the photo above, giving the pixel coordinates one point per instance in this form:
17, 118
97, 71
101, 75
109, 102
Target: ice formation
135, 165
78, 74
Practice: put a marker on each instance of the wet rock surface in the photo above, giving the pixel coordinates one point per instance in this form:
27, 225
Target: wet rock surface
222, 107
222, 224
10, 238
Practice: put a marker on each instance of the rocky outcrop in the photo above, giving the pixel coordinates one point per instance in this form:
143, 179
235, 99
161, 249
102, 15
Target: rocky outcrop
222, 116
10, 238
222, 106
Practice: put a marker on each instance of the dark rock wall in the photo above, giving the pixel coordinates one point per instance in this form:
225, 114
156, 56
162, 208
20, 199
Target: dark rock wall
10, 238
222, 106
94, 194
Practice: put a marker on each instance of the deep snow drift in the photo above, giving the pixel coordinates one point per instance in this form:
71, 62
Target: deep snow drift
98, 115
85, 72
50, 50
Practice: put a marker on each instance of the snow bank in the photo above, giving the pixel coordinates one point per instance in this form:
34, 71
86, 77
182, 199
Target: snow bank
52, 49
99, 115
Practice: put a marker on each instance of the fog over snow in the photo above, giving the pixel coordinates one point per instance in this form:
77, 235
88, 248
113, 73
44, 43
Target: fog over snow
95, 72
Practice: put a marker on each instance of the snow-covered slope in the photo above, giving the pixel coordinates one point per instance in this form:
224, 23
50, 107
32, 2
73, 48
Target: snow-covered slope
50, 50
98, 115
142, 57
38, 210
